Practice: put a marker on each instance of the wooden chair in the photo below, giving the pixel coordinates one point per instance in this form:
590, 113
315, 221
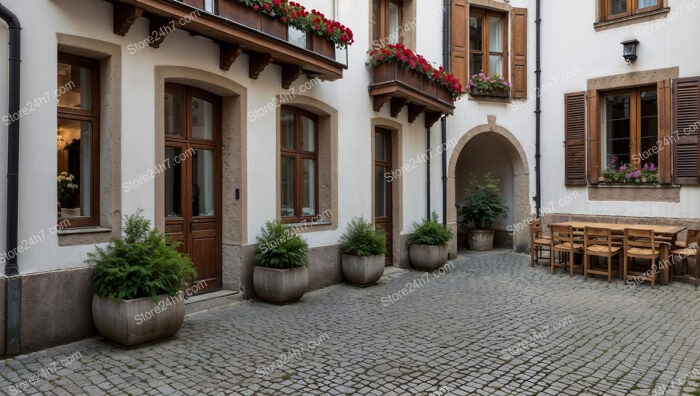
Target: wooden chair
563, 243
538, 242
598, 242
640, 244
687, 249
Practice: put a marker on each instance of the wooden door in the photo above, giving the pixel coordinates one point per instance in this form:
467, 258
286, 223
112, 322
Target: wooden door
382, 187
192, 170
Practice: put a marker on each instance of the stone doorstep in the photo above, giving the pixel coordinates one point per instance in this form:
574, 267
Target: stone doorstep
213, 300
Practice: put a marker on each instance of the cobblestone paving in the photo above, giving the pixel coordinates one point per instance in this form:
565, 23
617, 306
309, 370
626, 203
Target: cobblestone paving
464, 332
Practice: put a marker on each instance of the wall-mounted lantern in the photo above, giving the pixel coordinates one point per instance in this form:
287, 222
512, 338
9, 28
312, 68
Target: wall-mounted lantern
629, 50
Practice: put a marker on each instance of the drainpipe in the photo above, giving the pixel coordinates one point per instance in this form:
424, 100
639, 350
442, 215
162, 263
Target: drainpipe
430, 154
12, 287
538, 111
443, 120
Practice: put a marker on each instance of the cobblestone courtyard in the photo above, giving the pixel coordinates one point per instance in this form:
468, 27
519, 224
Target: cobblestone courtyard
490, 325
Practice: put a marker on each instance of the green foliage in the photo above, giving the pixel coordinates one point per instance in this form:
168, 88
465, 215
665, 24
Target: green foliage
281, 247
483, 203
430, 232
363, 239
144, 263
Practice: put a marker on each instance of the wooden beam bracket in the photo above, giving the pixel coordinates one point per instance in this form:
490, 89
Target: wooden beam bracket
257, 63
289, 74
160, 28
431, 117
228, 53
397, 105
380, 100
124, 16
414, 111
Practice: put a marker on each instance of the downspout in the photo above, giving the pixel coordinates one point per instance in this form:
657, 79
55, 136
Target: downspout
12, 287
538, 111
443, 120
430, 154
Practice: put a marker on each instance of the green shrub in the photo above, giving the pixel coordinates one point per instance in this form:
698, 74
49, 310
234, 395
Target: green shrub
430, 232
483, 203
281, 247
363, 239
144, 263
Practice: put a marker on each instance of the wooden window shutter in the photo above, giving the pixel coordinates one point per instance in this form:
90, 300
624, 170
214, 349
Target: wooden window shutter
519, 53
686, 122
460, 41
575, 138
665, 129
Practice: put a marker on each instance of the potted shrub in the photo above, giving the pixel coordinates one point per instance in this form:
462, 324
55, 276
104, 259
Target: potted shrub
482, 206
363, 248
281, 275
135, 280
428, 245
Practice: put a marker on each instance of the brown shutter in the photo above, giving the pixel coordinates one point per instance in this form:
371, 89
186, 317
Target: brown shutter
664, 99
575, 138
686, 116
519, 53
459, 39
593, 137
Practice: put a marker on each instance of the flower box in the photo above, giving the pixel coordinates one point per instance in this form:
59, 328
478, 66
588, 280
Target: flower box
394, 72
274, 27
321, 45
490, 94
195, 3
240, 13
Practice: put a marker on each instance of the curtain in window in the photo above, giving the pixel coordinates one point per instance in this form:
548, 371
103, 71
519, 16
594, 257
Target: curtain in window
496, 45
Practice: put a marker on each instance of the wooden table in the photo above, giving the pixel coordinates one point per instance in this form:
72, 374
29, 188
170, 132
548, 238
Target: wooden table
668, 234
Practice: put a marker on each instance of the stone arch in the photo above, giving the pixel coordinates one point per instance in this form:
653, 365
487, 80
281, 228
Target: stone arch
521, 178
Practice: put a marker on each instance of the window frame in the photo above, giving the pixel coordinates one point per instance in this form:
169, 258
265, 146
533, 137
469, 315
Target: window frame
381, 21
485, 52
299, 155
631, 9
93, 116
635, 123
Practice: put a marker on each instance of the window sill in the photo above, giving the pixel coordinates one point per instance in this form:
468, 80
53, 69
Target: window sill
634, 192
83, 230
310, 226
495, 98
631, 19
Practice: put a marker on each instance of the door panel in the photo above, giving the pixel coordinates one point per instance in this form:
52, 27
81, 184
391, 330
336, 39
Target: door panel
382, 188
193, 179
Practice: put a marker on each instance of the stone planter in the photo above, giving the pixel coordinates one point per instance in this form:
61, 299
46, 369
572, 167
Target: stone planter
363, 271
428, 258
280, 286
134, 322
321, 45
480, 240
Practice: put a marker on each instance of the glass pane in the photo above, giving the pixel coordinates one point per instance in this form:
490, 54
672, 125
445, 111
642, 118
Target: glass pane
476, 63
495, 34
376, 24
209, 6
287, 188
74, 86
646, 3
476, 32
308, 134
296, 36
617, 112
618, 7
496, 65
308, 188
380, 148
380, 191
173, 183
173, 114
649, 128
202, 119
74, 143
393, 23
203, 189
287, 129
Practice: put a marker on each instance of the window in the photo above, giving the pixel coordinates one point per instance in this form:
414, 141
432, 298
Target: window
612, 9
630, 126
77, 140
209, 6
387, 18
299, 169
488, 42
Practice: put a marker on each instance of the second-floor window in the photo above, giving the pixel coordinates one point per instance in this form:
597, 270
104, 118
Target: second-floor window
387, 18
488, 42
612, 9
